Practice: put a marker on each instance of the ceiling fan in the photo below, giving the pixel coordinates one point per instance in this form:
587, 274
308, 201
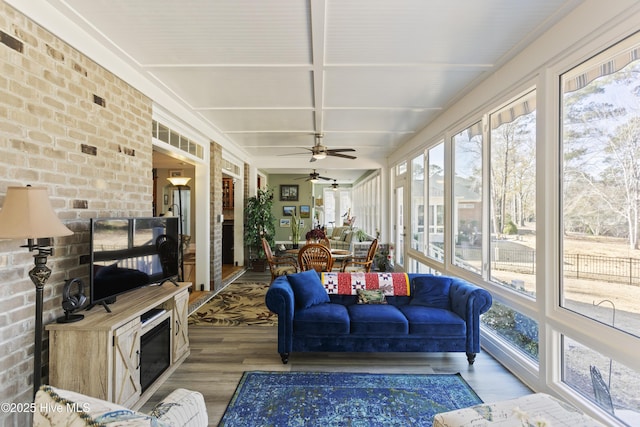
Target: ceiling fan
319, 151
314, 177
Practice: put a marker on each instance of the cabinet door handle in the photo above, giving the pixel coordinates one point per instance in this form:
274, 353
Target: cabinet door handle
138, 356
177, 327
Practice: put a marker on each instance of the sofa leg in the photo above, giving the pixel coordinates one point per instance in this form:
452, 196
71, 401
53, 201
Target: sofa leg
284, 357
471, 357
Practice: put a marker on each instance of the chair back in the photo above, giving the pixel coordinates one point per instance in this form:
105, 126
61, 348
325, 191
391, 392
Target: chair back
372, 250
267, 250
316, 257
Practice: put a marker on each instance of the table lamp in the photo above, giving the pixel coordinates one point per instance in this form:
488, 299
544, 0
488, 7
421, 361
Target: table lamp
27, 214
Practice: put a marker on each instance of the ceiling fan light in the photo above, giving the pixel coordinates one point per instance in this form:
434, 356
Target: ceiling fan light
313, 180
320, 155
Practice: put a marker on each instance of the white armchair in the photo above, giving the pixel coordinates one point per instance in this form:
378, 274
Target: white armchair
57, 407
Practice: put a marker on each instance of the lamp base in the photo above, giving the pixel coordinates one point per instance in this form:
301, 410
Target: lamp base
70, 318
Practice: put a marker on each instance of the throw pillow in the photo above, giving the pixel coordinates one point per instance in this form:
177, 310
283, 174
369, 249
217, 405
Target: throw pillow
431, 291
307, 289
373, 296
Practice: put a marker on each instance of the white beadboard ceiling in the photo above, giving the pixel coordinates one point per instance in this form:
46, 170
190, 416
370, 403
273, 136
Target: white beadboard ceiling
367, 74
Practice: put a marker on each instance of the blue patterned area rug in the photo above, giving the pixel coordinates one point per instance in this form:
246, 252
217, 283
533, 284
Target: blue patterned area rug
344, 399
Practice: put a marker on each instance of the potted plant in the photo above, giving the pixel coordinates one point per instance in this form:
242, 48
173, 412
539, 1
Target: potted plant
259, 223
315, 235
361, 235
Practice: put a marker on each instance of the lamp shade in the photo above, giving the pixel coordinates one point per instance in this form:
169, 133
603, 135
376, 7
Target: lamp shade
27, 214
179, 181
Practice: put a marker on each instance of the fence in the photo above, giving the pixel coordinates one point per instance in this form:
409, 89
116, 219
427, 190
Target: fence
610, 269
593, 267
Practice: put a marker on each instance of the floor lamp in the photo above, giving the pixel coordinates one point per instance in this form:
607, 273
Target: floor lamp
27, 214
180, 182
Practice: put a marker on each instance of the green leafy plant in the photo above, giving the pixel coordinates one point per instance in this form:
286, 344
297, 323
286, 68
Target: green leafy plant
259, 222
361, 235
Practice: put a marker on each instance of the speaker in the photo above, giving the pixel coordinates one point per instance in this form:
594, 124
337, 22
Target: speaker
71, 303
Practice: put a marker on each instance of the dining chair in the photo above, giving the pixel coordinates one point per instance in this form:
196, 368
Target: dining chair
315, 256
355, 265
278, 265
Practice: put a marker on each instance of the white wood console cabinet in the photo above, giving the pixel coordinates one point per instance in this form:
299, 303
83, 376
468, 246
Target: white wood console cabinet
100, 354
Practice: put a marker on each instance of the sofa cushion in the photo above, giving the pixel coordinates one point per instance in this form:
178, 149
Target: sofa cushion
433, 322
307, 289
431, 291
322, 319
377, 320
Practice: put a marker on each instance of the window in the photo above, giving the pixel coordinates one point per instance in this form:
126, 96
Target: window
514, 327
601, 187
401, 168
366, 203
467, 198
337, 207
435, 198
513, 195
587, 371
427, 203
418, 183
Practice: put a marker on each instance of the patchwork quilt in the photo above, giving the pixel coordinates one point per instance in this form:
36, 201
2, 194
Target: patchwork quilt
391, 284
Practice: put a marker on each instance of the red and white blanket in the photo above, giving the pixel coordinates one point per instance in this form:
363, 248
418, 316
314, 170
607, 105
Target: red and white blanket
391, 284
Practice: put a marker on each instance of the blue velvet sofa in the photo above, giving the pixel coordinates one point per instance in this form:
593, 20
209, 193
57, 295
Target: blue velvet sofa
435, 314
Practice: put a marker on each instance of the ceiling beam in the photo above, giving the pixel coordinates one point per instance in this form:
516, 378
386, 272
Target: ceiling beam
318, 45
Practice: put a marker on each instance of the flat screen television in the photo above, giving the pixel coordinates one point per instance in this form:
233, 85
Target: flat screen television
129, 253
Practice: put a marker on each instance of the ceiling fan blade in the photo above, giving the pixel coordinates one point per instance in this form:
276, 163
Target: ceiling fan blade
313, 159
346, 156
337, 150
325, 178
297, 154
292, 154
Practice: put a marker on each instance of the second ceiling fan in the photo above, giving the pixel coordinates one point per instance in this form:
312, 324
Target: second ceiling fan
314, 177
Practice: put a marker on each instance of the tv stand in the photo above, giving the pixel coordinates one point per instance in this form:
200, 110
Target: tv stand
110, 345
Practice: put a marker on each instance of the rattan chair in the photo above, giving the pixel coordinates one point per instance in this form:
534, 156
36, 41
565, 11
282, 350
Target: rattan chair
355, 265
315, 256
278, 266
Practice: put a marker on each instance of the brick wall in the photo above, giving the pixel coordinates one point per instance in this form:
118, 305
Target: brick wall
73, 127
216, 210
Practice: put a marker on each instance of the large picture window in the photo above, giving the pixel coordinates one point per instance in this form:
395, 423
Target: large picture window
467, 198
435, 203
601, 187
513, 195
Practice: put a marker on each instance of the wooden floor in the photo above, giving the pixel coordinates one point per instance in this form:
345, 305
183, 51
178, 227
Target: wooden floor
219, 356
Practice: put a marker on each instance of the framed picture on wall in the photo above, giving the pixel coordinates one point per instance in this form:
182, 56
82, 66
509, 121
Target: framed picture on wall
288, 210
305, 211
285, 222
289, 193
175, 172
